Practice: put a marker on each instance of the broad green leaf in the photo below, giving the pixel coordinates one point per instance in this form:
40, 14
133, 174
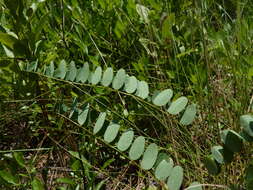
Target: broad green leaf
96, 76
71, 74
7, 176
65, 180
232, 140
137, 148
99, 123
60, 72
178, 105
211, 165
32, 66
167, 24
163, 156
83, 73
162, 98
107, 77
149, 157
189, 115
73, 107
37, 185
163, 170
19, 158
142, 89
176, 178
8, 40
83, 115
50, 69
217, 153
246, 122
119, 79
195, 186
222, 154
125, 140
100, 185
111, 132
131, 84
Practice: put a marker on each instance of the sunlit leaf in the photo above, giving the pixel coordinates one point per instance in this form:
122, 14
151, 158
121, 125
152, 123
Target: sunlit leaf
142, 89
163, 170
162, 98
189, 114
107, 77
131, 84
119, 79
125, 140
111, 132
96, 76
137, 148
99, 123
176, 178
178, 105
71, 74
149, 157
83, 73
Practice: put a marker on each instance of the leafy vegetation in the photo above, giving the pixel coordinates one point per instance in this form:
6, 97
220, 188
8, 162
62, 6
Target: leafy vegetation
126, 94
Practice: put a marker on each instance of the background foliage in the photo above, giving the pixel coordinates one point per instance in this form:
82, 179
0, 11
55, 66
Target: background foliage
200, 49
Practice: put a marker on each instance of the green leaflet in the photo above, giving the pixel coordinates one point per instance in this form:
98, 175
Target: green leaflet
99, 123
217, 153
8, 40
82, 116
96, 76
189, 114
37, 185
178, 105
83, 73
65, 180
163, 156
211, 165
32, 66
222, 154
142, 89
163, 170
176, 178
107, 77
131, 84
71, 74
246, 122
50, 69
111, 132
137, 148
195, 186
162, 98
232, 140
7, 176
19, 158
60, 72
125, 140
119, 79
149, 157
